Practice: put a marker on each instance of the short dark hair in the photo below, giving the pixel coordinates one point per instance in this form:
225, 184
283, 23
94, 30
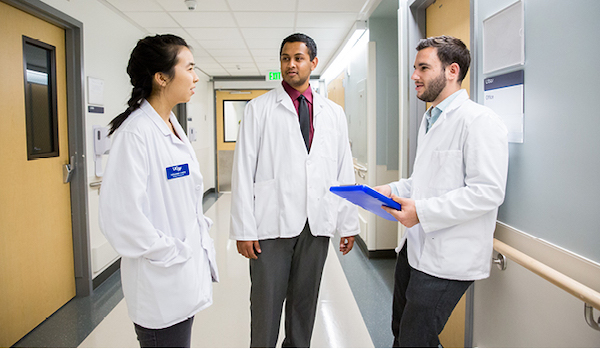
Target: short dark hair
449, 50
307, 40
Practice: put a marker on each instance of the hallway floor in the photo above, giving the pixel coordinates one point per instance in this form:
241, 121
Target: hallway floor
354, 307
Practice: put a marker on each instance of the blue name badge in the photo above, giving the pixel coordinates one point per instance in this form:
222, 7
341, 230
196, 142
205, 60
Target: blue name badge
178, 171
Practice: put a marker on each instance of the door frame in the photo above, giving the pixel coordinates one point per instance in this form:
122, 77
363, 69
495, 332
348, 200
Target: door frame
415, 26
77, 141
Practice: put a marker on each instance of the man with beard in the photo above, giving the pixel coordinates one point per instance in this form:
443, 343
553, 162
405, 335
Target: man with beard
450, 202
292, 146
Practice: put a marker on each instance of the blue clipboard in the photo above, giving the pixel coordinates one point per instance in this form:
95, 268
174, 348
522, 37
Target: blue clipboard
367, 198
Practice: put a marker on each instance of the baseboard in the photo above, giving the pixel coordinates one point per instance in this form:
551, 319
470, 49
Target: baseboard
98, 280
373, 254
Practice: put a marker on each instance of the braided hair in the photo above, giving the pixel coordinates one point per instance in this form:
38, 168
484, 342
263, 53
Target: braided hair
151, 55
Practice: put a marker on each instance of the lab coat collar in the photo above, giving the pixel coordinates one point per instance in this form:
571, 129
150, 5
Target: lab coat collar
286, 101
460, 98
457, 102
161, 124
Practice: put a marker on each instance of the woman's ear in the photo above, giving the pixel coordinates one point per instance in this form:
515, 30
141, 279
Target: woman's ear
160, 79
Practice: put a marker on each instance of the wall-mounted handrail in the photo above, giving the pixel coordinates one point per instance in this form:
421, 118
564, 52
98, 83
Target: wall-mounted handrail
589, 296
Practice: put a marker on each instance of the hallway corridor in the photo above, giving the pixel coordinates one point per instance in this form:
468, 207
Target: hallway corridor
227, 322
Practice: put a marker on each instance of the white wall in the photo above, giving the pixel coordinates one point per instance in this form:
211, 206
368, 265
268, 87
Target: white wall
557, 162
200, 110
517, 308
106, 50
107, 43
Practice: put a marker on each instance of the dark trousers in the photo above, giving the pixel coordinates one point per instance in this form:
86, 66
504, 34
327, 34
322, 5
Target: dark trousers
290, 270
422, 304
176, 336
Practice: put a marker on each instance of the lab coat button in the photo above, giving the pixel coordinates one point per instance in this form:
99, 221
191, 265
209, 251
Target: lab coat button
198, 187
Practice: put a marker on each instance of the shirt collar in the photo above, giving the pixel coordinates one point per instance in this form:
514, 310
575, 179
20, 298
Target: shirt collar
432, 114
294, 94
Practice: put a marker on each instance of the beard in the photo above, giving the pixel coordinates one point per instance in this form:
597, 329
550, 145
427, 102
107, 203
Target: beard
434, 88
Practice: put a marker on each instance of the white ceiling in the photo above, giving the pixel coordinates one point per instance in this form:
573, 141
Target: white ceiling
242, 37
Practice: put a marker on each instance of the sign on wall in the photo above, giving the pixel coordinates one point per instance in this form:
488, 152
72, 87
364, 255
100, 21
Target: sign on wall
504, 95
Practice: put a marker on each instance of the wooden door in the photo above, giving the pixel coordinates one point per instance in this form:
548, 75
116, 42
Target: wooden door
36, 247
336, 91
225, 136
452, 17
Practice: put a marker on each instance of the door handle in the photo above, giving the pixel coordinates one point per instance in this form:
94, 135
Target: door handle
68, 170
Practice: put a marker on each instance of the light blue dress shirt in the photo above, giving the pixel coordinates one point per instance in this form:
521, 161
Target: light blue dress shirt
432, 114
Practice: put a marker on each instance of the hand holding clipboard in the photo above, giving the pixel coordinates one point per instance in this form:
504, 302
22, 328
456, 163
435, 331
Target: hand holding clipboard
372, 200
367, 198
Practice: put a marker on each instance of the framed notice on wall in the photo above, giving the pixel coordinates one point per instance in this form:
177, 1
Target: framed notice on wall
504, 39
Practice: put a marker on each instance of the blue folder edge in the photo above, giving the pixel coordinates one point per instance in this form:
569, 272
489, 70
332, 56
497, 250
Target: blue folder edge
367, 198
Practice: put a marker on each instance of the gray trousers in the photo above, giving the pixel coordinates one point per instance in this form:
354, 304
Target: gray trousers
290, 270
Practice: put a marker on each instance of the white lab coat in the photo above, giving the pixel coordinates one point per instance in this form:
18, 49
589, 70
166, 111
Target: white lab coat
277, 185
458, 183
157, 224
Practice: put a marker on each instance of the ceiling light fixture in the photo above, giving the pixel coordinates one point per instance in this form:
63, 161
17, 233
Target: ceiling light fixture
340, 61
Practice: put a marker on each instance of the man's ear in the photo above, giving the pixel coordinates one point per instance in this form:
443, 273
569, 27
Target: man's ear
314, 64
453, 72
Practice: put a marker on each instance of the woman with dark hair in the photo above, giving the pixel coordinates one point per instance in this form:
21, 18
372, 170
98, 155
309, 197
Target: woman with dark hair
151, 199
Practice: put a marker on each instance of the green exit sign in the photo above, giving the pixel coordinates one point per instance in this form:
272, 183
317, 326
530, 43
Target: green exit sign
273, 76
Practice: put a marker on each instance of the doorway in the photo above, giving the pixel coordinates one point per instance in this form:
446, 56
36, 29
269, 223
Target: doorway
43, 222
452, 17
229, 111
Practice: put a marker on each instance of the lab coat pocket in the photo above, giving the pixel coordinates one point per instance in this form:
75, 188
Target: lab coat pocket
175, 290
266, 207
447, 171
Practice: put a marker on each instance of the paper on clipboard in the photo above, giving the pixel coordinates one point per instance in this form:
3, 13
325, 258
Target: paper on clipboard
367, 198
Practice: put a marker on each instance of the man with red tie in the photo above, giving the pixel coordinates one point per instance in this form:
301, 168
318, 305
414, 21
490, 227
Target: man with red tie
292, 146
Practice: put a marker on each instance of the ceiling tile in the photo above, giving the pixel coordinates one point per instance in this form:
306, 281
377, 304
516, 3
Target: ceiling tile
204, 19
265, 60
239, 65
272, 53
177, 30
264, 19
135, 5
325, 19
210, 65
267, 33
202, 5
152, 19
221, 44
197, 50
203, 61
215, 33
215, 71
263, 5
246, 32
237, 60
326, 34
267, 67
264, 43
332, 5
235, 52
243, 72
